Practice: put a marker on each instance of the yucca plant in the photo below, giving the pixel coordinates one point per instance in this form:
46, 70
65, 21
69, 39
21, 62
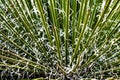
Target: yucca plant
59, 39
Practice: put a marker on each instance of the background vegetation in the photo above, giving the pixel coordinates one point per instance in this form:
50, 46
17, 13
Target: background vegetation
59, 39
